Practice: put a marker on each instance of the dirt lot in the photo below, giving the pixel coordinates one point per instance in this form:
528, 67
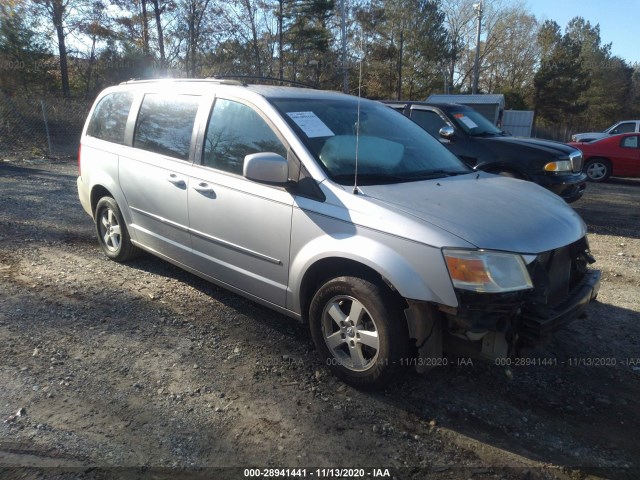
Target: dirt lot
145, 371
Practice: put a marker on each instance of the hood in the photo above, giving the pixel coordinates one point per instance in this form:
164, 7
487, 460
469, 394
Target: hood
594, 135
488, 211
534, 145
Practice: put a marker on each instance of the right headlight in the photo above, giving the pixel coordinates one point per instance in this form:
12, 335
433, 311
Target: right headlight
487, 271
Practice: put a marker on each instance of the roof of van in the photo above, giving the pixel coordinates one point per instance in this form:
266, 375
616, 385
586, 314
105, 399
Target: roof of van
268, 91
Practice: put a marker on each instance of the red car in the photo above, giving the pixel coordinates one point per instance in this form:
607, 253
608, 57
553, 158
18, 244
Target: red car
618, 155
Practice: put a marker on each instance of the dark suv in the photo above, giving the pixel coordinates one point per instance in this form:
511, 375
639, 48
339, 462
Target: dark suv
481, 145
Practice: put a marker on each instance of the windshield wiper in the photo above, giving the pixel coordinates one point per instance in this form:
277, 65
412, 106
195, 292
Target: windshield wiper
429, 174
386, 178
370, 178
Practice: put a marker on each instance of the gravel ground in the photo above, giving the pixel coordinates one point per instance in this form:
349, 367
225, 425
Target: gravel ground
145, 371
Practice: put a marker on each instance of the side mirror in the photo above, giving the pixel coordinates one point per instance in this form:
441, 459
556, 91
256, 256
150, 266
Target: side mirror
266, 167
447, 132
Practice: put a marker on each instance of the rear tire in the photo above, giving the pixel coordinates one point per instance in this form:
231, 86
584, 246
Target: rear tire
359, 328
597, 169
113, 235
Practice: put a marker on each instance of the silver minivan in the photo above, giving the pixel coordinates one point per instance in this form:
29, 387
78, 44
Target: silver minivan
336, 211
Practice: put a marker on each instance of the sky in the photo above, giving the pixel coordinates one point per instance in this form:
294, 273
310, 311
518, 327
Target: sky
618, 19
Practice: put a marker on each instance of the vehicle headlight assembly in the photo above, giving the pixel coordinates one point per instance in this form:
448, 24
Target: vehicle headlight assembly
487, 271
558, 166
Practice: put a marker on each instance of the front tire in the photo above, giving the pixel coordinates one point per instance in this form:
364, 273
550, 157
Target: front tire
359, 329
597, 169
113, 235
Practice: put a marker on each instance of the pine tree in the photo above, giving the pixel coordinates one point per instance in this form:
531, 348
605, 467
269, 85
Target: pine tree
561, 79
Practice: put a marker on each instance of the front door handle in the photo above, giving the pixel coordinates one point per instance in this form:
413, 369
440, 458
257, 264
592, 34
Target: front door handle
176, 180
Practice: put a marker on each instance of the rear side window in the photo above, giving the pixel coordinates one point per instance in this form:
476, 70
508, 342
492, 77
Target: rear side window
165, 124
624, 128
429, 120
109, 118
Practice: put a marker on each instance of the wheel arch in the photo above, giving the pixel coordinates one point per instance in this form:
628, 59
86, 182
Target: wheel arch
411, 270
602, 158
97, 192
330, 267
105, 186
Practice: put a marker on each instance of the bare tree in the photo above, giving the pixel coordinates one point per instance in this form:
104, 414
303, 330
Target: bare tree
95, 28
157, 11
57, 12
247, 20
145, 28
201, 27
512, 56
459, 17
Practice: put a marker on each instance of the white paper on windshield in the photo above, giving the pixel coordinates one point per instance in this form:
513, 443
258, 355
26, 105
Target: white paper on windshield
468, 122
310, 124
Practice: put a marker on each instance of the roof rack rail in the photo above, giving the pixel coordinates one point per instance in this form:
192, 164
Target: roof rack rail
238, 80
222, 81
260, 77
226, 81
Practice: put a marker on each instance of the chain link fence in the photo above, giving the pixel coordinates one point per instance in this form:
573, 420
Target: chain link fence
41, 126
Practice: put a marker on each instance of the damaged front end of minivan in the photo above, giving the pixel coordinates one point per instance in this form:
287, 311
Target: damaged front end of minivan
506, 302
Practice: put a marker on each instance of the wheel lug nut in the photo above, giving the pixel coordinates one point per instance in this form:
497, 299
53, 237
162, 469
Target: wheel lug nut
343, 335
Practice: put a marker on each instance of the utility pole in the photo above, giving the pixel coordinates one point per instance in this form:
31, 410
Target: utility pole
345, 70
399, 65
476, 65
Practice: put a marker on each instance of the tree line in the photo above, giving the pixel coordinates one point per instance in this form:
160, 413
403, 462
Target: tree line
383, 48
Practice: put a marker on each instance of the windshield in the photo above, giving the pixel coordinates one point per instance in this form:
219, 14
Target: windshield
473, 123
388, 146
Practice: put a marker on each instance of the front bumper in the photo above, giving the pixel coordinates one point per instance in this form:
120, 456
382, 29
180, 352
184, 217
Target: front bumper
563, 287
570, 187
537, 322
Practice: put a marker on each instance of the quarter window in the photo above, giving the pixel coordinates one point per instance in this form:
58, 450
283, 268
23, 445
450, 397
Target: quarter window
165, 124
109, 118
630, 142
234, 131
